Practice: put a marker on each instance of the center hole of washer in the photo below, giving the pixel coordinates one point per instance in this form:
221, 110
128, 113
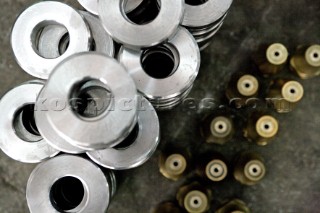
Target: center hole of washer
160, 62
25, 125
67, 193
195, 2
145, 13
292, 91
315, 55
130, 139
277, 54
45, 42
90, 98
266, 126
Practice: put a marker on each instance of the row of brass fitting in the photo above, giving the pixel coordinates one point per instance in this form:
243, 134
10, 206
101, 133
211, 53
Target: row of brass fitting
219, 127
249, 167
283, 94
232, 206
305, 62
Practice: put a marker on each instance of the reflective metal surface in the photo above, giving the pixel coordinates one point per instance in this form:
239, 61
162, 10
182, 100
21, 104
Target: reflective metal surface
29, 25
69, 184
16, 140
165, 92
140, 148
112, 123
52, 41
141, 36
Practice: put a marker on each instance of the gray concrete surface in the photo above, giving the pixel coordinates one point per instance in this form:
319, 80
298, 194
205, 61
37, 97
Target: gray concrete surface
292, 182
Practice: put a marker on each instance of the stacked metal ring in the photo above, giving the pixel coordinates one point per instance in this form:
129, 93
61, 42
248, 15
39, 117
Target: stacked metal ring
138, 147
69, 184
20, 138
60, 115
168, 81
204, 18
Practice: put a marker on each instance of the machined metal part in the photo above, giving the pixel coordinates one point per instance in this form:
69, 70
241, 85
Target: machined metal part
168, 87
92, 5
138, 147
242, 88
272, 59
167, 207
69, 82
204, 18
234, 206
20, 139
30, 23
69, 184
217, 128
212, 167
141, 36
261, 128
249, 168
194, 198
285, 94
306, 61
173, 166
54, 39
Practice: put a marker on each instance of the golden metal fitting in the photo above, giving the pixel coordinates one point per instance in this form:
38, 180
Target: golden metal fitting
173, 166
212, 167
241, 89
261, 128
285, 94
272, 59
306, 61
167, 207
217, 128
249, 169
194, 198
234, 206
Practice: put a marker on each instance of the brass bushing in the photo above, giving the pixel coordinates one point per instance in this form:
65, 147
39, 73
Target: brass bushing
216, 170
306, 61
249, 169
173, 166
234, 206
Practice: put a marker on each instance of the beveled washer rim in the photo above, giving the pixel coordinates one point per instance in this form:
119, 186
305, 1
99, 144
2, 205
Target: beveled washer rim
47, 12
83, 133
51, 136
95, 183
140, 150
175, 84
10, 143
141, 36
206, 13
92, 5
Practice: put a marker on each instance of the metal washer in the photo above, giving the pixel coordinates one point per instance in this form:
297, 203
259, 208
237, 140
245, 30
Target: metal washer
109, 128
36, 17
51, 36
97, 186
10, 143
140, 150
141, 36
171, 88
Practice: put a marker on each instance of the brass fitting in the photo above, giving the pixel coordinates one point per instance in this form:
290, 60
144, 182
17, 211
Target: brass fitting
249, 168
212, 167
285, 94
272, 60
261, 128
217, 128
194, 198
306, 61
241, 89
167, 207
174, 165
234, 206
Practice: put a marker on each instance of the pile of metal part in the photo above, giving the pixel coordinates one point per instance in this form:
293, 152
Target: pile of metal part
254, 100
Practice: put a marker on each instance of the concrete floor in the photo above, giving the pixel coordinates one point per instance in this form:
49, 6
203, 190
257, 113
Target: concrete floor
292, 182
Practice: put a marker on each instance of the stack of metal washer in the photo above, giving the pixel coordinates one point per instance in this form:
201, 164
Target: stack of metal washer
89, 102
